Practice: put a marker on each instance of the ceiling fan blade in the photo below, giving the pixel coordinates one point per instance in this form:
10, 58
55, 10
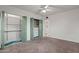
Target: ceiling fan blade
48, 10
42, 6
46, 7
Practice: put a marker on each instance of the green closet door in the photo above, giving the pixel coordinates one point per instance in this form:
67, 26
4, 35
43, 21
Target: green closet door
31, 27
23, 34
2, 17
40, 28
0, 30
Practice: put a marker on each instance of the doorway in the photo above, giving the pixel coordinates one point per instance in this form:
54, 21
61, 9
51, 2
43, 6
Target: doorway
36, 28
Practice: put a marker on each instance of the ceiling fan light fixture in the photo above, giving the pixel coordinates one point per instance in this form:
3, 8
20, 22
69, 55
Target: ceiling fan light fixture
43, 11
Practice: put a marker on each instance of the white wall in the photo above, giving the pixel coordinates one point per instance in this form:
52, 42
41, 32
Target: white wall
64, 25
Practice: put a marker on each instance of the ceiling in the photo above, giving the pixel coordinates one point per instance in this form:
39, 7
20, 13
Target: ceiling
53, 8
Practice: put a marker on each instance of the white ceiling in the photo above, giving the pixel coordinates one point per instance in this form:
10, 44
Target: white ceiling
54, 8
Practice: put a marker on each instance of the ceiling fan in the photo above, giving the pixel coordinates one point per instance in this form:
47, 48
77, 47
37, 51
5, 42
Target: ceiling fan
44, 8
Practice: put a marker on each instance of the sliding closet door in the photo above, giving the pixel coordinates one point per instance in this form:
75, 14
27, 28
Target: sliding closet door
31, 27
2, 18
0, 30
36, 28
12, 28
40, 28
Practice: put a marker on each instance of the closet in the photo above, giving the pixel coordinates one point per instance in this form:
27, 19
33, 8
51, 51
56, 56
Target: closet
36, 28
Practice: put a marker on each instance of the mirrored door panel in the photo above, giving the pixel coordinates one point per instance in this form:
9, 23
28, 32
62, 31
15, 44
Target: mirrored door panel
36, 28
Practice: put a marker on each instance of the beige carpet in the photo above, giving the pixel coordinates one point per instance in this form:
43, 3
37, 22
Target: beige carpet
43, 45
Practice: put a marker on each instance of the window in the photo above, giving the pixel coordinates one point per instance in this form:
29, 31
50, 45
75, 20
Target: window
12, 28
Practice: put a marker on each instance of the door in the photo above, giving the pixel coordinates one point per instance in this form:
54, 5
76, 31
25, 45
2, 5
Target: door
36, 28
0, 29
